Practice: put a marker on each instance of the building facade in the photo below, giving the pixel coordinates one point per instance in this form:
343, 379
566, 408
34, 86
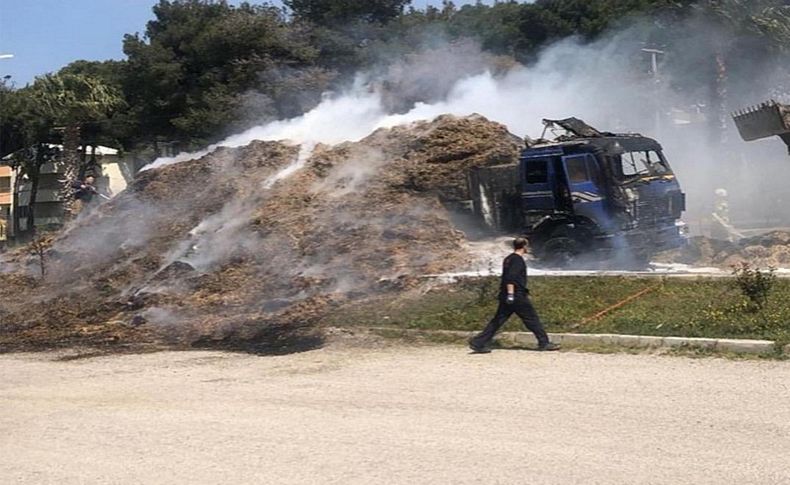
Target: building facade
112, 173
6, 203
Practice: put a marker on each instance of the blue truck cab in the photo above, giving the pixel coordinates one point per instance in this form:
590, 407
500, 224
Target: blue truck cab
585, 195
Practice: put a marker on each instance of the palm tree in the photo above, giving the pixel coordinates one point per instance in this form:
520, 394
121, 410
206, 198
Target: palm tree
765, 20
71, 100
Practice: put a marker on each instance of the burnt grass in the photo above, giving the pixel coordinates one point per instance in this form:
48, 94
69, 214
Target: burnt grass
703, 307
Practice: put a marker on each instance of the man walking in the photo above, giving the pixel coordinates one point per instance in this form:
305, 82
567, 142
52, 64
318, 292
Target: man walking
513, 298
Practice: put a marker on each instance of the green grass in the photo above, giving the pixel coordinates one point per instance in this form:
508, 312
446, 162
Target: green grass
702, 307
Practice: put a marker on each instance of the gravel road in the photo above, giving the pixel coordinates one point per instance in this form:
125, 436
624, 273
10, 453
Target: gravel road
394, 415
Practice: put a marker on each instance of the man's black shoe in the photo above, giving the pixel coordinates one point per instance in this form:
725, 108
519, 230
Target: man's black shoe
549, 346
479, 349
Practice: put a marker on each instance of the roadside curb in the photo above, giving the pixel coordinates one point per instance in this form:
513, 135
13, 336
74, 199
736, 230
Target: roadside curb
738, 346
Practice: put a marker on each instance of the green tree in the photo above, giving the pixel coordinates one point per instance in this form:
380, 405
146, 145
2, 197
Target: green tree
10, 119
549, 20
71, 100
496, 27
27, 163
731, 40
768, 20
25, 135
333, 13
201, 63
119, 129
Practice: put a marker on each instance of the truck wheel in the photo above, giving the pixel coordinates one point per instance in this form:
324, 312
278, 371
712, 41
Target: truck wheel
561, 251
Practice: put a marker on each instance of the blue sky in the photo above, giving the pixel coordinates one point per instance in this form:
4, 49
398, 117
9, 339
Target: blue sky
45, 35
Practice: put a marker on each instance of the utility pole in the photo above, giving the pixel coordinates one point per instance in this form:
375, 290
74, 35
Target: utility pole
654, 54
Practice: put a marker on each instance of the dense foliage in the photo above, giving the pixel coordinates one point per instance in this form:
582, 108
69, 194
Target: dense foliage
203, 68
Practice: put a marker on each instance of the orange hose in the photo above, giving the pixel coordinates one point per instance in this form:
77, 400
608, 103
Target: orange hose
622, 303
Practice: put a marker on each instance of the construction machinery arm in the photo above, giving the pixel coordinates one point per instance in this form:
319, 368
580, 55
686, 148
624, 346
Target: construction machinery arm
767, 119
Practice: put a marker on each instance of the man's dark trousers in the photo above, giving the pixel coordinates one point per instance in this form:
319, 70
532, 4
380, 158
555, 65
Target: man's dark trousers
521, 307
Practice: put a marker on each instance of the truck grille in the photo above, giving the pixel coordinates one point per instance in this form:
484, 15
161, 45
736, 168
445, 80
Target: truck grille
650, 210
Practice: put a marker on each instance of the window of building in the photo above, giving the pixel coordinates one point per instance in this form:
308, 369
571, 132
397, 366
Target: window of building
5, 184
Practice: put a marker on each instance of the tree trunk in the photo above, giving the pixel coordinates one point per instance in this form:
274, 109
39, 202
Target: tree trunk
71, 164
15, 203
722, 114
83, 157
35, 176
31, 208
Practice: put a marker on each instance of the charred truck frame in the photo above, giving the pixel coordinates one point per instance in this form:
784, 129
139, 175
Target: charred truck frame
585, 194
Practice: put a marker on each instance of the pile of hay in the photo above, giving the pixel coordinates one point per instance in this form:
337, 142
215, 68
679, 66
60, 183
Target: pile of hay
768, 250
232, 251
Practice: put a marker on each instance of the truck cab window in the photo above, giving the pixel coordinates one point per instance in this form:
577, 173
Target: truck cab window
577, 170
634, 164
657, 164
537, 172
595, 174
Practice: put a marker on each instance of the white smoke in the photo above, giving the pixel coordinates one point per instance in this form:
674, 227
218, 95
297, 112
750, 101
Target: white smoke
596, 82
352, 175
519, 100
216, 237
569, 80
305, 150
348, 117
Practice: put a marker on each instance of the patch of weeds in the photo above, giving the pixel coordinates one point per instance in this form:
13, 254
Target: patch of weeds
756, 285
702, 307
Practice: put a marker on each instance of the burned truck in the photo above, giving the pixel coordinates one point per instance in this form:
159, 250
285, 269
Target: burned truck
585, 196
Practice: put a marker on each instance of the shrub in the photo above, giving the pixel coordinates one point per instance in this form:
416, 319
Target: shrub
754, 284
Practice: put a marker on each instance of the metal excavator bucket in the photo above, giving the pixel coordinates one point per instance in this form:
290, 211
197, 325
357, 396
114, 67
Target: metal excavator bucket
767, 119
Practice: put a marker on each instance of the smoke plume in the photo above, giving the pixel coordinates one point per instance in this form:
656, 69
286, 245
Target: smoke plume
608, 83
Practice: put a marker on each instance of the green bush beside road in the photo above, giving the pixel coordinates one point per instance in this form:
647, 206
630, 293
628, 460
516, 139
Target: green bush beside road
704, 307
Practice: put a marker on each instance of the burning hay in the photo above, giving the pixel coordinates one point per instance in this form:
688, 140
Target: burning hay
249, 247
768, 250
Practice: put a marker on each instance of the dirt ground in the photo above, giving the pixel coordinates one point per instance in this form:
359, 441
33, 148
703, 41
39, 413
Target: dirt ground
431, 414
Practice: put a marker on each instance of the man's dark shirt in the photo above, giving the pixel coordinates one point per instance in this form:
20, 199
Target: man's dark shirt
514, 272
86, 194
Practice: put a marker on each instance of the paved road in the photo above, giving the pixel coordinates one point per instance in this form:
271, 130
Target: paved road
394, 415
